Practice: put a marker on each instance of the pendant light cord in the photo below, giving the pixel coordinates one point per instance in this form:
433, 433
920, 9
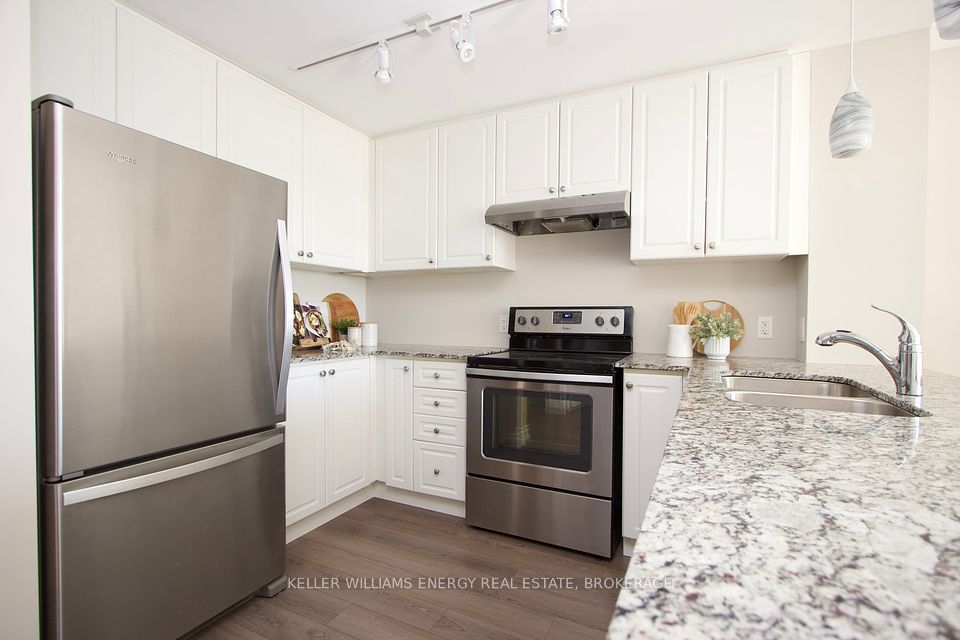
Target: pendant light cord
851, 41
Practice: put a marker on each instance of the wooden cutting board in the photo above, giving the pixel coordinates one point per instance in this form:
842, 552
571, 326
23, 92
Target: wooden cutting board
716, 308
341, 307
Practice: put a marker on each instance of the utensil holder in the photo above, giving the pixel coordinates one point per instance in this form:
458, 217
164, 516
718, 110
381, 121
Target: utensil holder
679, 342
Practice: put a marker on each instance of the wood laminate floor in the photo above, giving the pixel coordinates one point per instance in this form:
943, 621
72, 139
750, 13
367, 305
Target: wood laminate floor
381, 540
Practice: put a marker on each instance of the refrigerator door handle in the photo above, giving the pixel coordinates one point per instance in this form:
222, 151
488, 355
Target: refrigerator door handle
95, 492
286, 278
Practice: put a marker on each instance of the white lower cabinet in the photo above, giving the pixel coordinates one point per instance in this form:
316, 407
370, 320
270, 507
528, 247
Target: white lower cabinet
650, 402
439, 470
425, 427
327, 434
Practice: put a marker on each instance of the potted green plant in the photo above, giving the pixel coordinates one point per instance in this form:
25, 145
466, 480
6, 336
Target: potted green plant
715, 333
342, 325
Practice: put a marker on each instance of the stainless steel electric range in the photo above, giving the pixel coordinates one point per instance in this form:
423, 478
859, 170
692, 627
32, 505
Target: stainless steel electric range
544, 426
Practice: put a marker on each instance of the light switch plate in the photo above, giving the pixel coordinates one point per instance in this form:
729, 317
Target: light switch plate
765, 327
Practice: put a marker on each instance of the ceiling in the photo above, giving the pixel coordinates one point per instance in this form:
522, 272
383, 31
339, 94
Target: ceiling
609, 42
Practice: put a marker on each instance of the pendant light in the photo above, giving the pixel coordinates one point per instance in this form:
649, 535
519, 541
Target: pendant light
851, 127
947, 15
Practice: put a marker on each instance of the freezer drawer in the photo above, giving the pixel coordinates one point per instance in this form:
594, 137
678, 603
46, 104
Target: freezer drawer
153, 550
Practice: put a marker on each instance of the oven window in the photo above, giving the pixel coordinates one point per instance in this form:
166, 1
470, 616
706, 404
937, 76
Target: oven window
547, 429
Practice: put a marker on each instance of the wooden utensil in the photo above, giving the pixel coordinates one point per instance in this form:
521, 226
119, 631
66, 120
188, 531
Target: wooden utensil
716, 308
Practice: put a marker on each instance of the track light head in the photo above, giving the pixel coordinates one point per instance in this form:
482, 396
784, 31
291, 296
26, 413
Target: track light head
463, 36
383, 63
558, 16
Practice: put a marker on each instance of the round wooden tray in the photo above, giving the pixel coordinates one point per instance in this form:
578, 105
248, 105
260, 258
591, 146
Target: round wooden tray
341, 306
716, 308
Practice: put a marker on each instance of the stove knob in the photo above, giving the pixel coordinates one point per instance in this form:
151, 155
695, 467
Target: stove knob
615, 321
521, 321
599, 321
534, 320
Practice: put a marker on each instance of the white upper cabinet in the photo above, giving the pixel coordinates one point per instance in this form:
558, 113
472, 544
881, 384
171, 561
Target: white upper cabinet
756, 182
528, 153
166, 86
467, 166
260, 127
669, 168
347, 427
73, 53
405, 202
595, 143
336, 182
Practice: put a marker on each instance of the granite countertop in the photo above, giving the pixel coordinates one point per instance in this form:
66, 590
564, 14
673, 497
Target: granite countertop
773, 523
437, 352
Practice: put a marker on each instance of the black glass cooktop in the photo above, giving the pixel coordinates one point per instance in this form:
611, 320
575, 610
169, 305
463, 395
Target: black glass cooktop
556, 361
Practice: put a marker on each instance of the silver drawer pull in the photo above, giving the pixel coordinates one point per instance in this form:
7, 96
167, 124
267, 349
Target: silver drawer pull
436, 376
436, 472
436, 429
436, 403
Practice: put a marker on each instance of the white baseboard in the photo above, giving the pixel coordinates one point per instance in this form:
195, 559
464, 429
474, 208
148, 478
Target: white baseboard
375, 490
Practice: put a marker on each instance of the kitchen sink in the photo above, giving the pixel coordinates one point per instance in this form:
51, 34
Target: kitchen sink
809, 394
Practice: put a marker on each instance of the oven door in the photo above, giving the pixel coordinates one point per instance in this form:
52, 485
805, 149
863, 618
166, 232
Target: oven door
542, 429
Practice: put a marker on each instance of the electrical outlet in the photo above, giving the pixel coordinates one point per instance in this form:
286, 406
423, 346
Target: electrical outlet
803, 329
503, 323
765, 327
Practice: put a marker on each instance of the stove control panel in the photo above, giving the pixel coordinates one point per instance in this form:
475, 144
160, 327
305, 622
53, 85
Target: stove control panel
572, 320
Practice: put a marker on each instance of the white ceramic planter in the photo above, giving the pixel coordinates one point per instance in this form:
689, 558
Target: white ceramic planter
716, 348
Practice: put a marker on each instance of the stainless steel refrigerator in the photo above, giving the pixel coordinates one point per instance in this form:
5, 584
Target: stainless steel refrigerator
163, 350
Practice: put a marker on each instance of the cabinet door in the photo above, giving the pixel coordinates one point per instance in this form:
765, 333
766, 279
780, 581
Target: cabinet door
260, 127
595, 143
304, 443
467, 160
649, 404
406, 201
440, 470
74, 53
166, 86
336, 170
396, 410
669, 168
749, 159
347, 427
528, 153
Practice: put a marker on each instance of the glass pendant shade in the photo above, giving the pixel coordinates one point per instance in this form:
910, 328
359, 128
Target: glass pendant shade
947, 15
851, 127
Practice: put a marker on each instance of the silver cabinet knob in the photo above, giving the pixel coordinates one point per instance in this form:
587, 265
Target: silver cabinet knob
333, 371
323, 374
562, 189
697, 246
310, 254
430, 260
488, 257
712, 245
436, 429
552, 190
300, 253
406, 368
629, 385
436, 472
436, 403
436, 376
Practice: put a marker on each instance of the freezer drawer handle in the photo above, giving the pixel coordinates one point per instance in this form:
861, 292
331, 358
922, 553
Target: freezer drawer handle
132, 484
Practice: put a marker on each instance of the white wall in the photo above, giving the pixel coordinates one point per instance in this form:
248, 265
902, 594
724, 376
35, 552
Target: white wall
590, 269
19, 608
867, 231
314, 286
941, 345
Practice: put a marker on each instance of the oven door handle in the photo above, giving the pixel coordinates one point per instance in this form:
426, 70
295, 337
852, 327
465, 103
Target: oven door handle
539, 377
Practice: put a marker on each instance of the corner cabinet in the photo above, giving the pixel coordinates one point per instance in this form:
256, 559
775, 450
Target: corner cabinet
721, 162
328, 452
405, 202
650, 402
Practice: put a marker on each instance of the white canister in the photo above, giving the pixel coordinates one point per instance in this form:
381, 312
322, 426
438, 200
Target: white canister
679, 342
369, 334
355, 336
716, 348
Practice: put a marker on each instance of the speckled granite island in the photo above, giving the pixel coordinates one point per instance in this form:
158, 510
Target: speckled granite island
398, 350
794, 523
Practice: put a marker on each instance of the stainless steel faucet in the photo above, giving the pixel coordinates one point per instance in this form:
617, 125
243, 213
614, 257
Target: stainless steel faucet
906, 370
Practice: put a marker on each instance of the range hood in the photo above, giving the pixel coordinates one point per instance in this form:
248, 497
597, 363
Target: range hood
596, 212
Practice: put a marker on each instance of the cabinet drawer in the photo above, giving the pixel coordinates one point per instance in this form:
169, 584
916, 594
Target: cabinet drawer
440, 375
440, 402
440, 429
439, 470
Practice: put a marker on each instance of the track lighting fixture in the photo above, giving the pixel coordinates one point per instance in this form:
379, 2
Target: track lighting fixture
559, 16
383, 63
463, 37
